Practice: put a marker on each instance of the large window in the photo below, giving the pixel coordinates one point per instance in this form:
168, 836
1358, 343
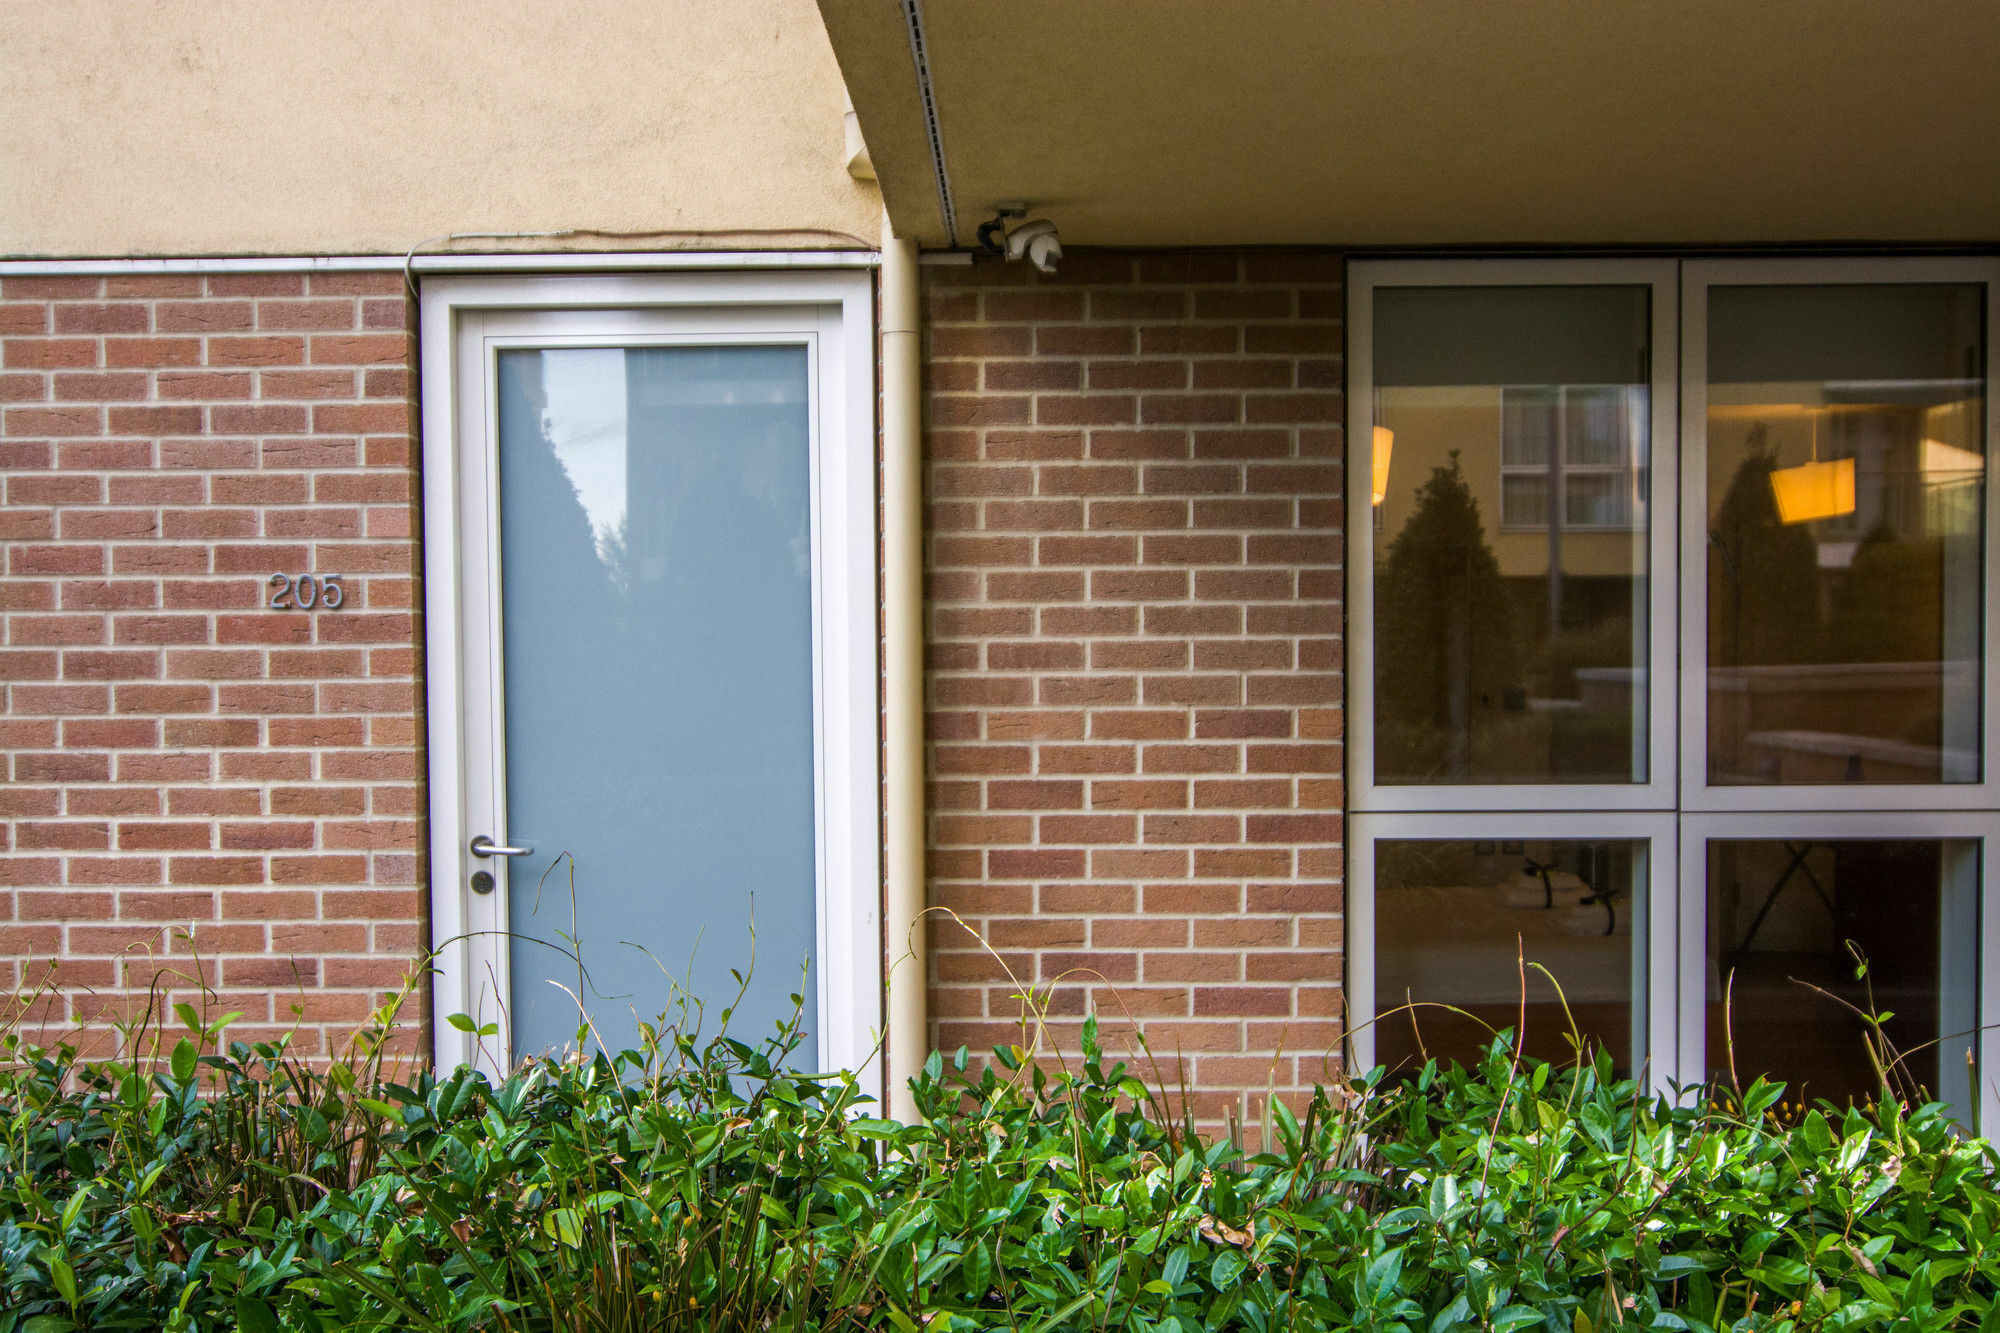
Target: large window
1669, 660
1842, 495
1512, 425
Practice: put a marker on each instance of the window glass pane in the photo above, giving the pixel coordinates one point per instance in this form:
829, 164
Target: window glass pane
1524, 500
1789, 923
1846, 483
1527, 426
1597, 500
1509, 648
1454, 921
1598, 424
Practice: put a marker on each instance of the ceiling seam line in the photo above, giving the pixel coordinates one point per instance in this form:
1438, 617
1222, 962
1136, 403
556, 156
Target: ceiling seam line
913, 20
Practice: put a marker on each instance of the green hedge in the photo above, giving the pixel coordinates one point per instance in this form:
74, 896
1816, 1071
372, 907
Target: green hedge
702, 1186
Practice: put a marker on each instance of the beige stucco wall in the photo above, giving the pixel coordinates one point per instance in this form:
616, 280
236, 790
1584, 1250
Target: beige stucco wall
151, 127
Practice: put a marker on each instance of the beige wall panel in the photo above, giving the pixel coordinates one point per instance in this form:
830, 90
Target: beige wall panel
141, 127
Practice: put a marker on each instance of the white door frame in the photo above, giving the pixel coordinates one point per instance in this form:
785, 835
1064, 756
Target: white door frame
462, 322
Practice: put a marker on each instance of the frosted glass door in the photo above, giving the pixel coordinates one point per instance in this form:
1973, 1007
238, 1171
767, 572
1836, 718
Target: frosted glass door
656, 560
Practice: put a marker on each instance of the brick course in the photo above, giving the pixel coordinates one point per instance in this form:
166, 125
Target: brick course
1135, 618
182, 759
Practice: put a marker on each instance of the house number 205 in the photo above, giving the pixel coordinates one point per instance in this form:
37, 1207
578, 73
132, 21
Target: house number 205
303, 592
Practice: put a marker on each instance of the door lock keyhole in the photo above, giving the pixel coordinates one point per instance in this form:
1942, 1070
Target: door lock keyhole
482, 881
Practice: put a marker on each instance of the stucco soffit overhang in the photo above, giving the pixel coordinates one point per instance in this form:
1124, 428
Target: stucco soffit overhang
872, 44
1439, 122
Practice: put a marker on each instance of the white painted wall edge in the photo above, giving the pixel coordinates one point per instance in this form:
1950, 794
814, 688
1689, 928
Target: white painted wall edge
485, 263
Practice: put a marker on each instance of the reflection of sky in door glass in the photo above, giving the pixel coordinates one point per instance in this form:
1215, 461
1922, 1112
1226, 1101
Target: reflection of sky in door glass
584, 416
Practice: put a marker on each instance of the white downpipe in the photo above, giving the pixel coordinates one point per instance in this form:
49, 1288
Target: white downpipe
903, 832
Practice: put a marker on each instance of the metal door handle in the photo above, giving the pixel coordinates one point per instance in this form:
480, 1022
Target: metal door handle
485, 846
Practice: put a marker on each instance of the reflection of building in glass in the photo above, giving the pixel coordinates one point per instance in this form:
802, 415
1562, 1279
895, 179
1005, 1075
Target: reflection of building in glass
584, 418
1585, 442
1844, 648
1536, 399
1571, 712
1829, 524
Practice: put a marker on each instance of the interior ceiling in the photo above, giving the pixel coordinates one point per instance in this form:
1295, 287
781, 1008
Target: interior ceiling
1440, 122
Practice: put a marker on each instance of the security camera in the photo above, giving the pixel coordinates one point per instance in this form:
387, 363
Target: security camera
1037, 240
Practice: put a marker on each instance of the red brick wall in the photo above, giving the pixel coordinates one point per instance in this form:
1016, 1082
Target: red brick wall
1135, 690
179, 758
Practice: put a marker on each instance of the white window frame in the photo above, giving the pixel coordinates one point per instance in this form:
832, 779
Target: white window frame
463, 323
1655, 944
1699, 828
1696, 793
1657, 792
1675, 810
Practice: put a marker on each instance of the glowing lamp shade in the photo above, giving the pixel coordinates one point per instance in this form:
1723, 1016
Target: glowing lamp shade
1814, 490
1385, 443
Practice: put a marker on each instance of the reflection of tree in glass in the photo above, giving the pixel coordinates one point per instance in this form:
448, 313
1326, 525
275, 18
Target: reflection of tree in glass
1763, 591
1889, 607
553, 533
1444, 638
616, 553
